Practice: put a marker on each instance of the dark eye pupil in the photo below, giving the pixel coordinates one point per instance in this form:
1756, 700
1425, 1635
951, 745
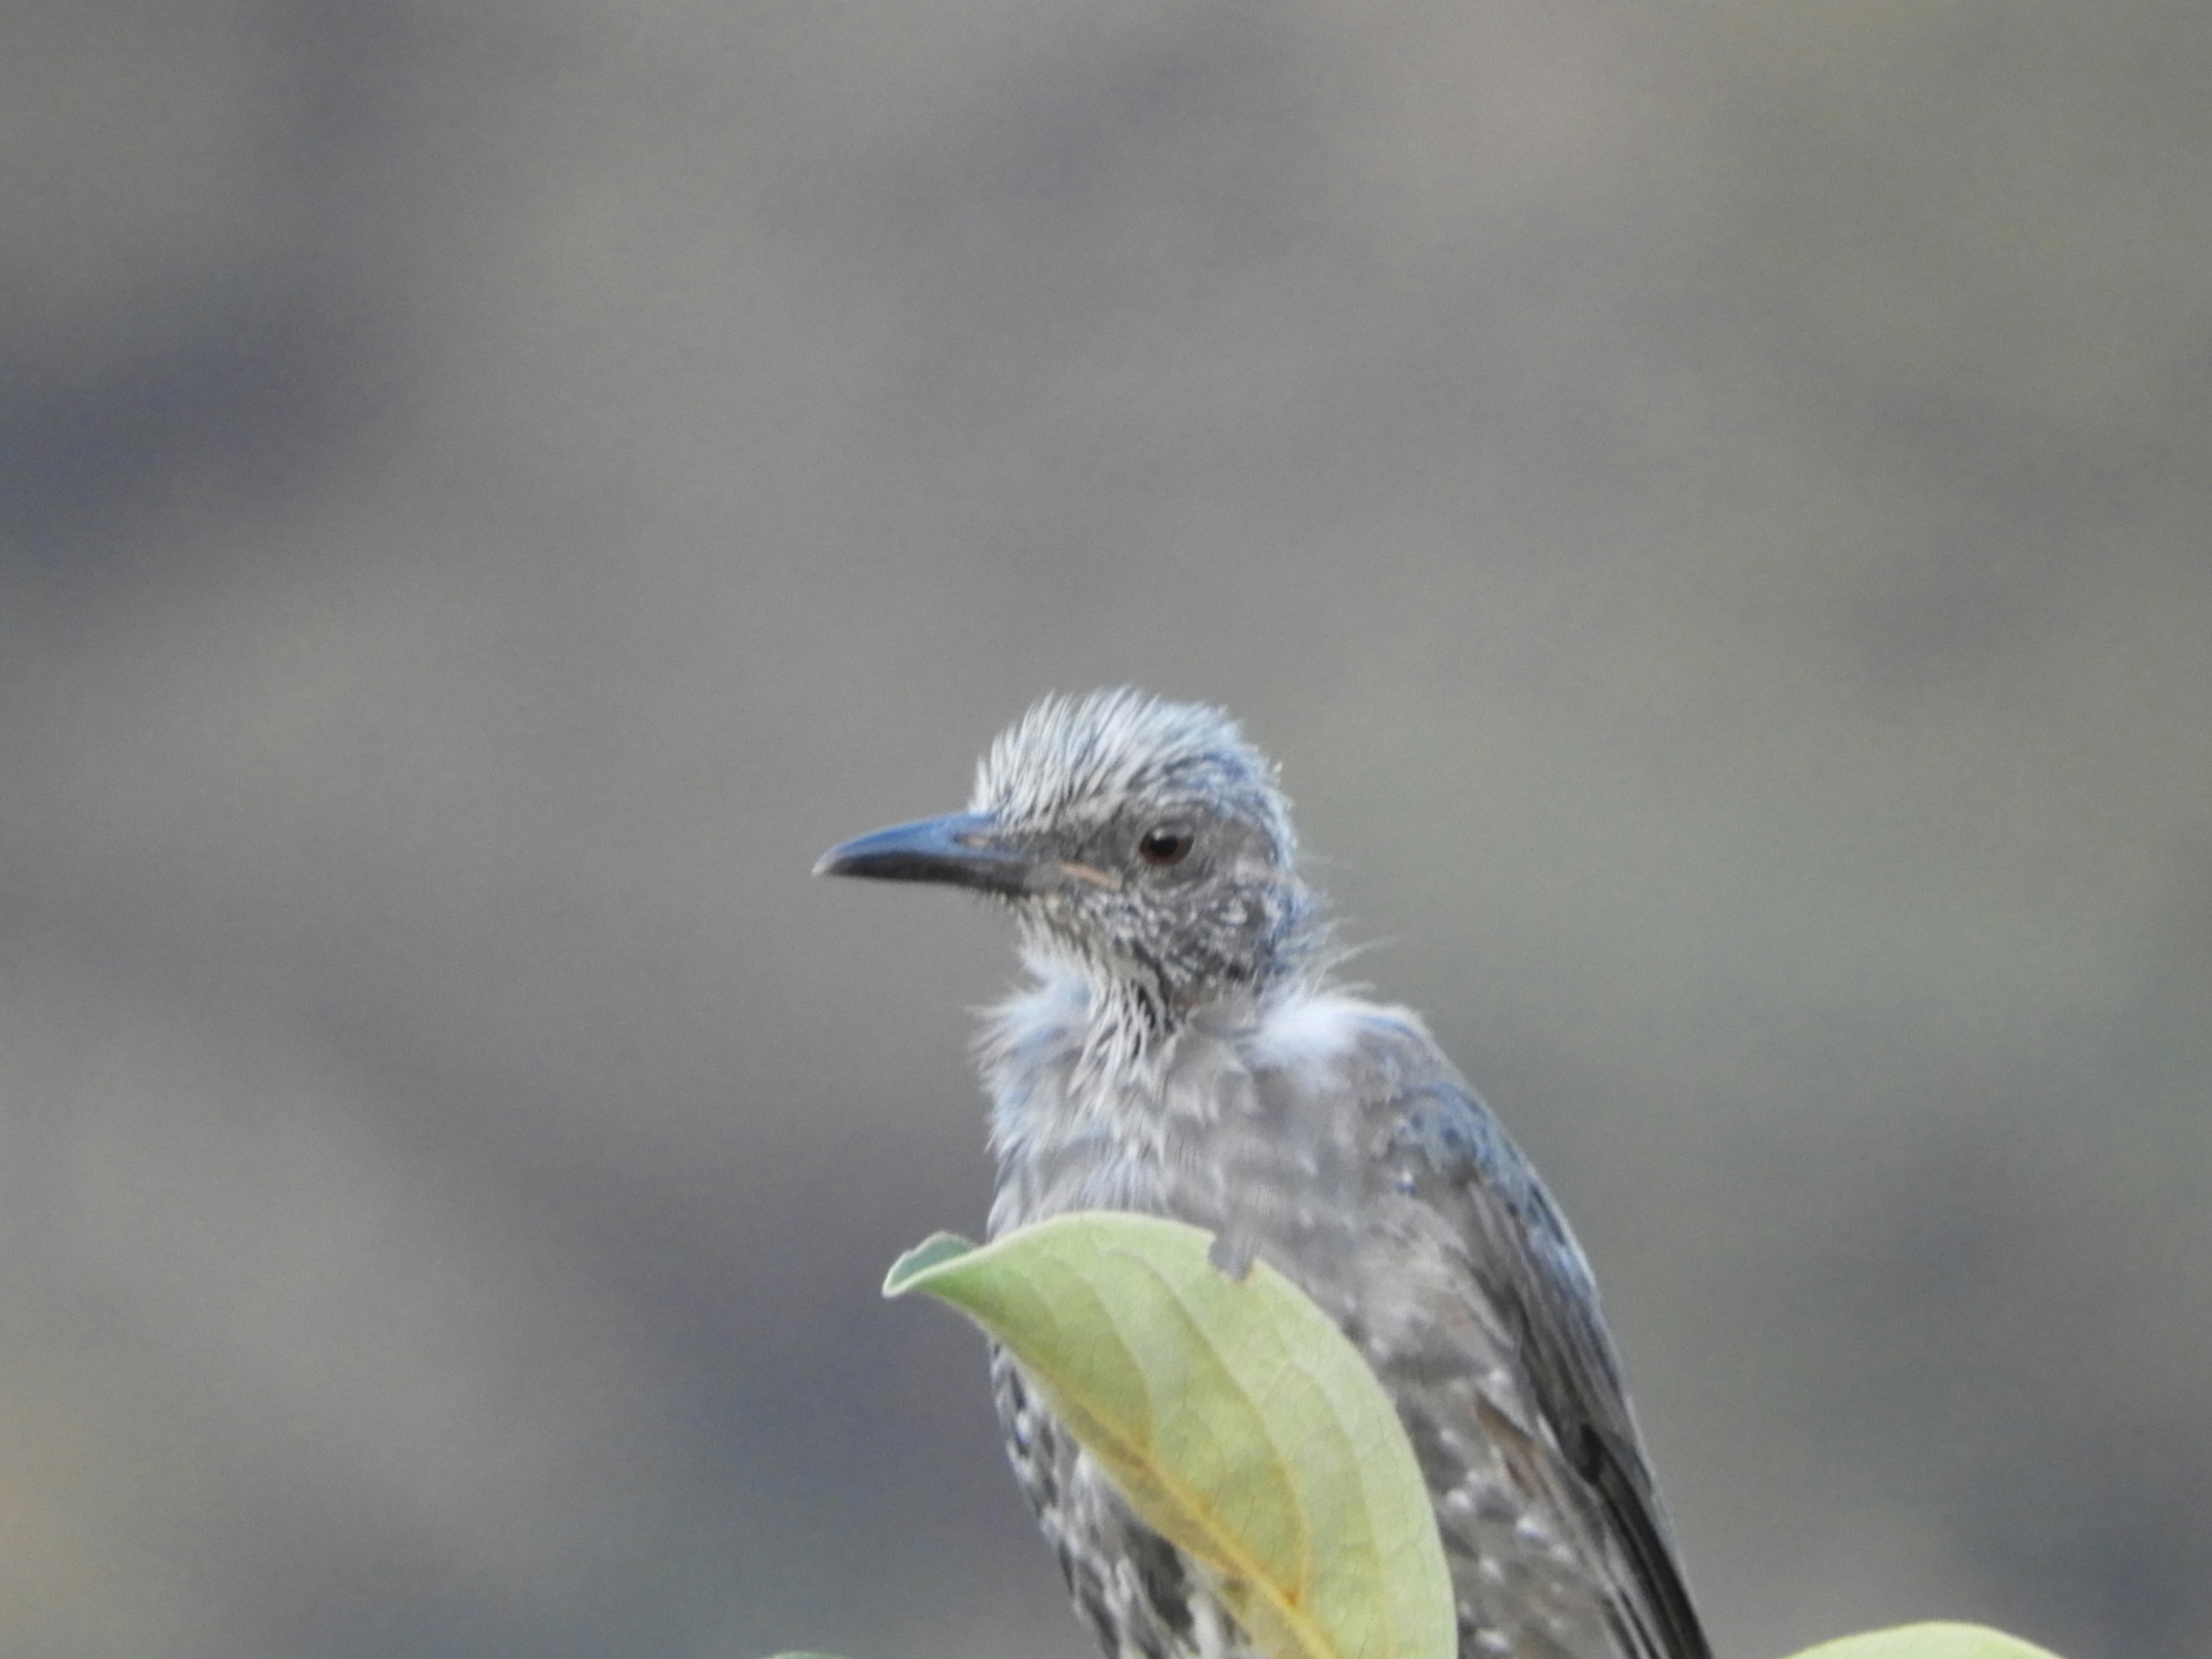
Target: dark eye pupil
1164, 846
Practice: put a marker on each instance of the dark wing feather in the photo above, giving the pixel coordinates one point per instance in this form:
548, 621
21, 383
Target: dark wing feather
1532, 1274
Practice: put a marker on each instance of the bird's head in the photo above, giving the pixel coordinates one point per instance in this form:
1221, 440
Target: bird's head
1146, 839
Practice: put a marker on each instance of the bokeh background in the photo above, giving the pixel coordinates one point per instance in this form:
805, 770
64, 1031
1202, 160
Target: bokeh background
1711, 504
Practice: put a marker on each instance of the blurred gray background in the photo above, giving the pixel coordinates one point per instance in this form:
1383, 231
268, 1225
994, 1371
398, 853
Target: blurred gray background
1711, 504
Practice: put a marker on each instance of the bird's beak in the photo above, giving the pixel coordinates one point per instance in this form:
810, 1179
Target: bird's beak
963, 849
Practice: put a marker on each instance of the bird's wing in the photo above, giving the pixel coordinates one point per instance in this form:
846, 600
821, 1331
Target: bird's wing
1434, 1137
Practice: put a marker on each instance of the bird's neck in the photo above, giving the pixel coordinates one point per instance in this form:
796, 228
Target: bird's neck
1095, 1035
1086, 1072
1122, 1020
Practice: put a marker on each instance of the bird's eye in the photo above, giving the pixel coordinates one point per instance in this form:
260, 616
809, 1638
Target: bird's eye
1165, 844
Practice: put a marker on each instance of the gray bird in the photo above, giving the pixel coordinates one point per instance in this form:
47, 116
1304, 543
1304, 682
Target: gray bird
1178, 1048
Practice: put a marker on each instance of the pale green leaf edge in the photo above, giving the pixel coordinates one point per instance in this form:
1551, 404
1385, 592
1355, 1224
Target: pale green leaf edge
1942, 1640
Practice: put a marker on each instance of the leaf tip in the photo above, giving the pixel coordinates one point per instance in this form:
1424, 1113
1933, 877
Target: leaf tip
924, 1258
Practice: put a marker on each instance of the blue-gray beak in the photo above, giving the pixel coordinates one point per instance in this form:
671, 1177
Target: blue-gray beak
962, 849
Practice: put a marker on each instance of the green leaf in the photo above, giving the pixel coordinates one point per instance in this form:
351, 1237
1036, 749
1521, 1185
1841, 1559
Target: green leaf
937, 1249
1929, 1642
1233, 1416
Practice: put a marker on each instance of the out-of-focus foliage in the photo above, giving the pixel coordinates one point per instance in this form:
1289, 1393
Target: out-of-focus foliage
1935, 1641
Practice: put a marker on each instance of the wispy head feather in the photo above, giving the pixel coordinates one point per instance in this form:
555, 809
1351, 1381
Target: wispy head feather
1090, 757
1179, 876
